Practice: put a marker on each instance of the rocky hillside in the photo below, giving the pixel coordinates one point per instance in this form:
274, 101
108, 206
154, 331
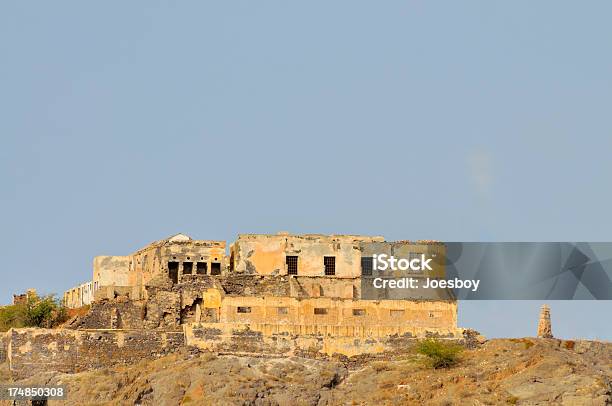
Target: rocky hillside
508, 371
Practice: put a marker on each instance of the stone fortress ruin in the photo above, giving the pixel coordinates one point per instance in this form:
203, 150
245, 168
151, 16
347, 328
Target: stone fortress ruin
269, 282
276, 294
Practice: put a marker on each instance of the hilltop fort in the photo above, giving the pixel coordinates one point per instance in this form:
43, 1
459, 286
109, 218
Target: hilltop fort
272, 294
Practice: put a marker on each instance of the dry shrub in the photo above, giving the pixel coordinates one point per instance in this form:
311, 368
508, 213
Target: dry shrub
380, 366
527, 343
512, 400
440, 354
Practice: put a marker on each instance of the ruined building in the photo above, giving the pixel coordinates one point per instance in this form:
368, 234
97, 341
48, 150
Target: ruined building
278, 294
271, 283
24, 297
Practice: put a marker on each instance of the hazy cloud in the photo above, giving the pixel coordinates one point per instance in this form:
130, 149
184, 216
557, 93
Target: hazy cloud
480, 166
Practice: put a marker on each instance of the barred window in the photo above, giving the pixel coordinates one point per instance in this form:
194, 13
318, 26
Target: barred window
366, 266
292, 264
320, 310
330, 265
282, 310
242, 309
415, 255
359, 312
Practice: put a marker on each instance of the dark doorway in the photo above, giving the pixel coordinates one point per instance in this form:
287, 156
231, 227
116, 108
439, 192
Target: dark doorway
187, 268
189, 313
215, 268
173, 271
201, 268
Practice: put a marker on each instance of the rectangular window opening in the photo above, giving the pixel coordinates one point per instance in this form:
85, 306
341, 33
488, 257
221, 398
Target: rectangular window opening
215, 268
359, 312
292, 264
330, 265
282, 310
366, 266
414, 255
243, 309
320, 310
187, 268
173, 271
201, 268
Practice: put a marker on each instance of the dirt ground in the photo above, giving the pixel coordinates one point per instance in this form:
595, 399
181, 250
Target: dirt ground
501, 372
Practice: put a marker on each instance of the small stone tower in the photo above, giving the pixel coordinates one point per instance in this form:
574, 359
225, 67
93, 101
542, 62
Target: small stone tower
544, 328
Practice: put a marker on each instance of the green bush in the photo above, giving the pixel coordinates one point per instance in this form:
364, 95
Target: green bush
35, 311
11, 316
440, 354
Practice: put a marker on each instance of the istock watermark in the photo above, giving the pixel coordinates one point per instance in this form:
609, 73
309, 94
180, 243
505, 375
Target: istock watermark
383, 262
487, 271
390, 272
428, 283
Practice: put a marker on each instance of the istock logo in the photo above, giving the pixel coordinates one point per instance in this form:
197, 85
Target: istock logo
385, 262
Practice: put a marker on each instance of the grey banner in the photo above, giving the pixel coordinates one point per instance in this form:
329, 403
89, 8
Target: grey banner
499, 271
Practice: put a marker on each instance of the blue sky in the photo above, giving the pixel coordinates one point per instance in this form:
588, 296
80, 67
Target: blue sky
124, 123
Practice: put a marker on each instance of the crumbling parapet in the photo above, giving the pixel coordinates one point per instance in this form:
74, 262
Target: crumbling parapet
24, 297
317, 341
33, 350
544, 327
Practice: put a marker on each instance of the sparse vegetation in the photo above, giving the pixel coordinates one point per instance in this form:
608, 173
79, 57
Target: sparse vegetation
526, 342
203, 378
35, 311
380, 366
512, 400
440, 354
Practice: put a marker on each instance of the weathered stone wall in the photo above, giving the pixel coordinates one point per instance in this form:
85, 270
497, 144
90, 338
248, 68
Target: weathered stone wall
315, 341
79, 296
39, 350
320, 286
165, 308
258, 299
407, 315
114, 291
266, 285
110, 271
113, 314
3, 347
256, 285
266, 254
150, 265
